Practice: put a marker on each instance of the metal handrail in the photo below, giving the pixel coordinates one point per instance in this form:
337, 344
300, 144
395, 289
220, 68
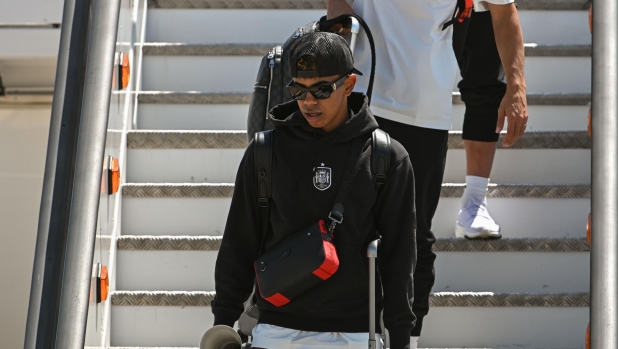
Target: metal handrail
61, 290
604, 237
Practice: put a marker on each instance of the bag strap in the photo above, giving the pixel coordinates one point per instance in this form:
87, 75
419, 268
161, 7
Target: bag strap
325, 25
263, 167
380, 155
351, 169
463, 11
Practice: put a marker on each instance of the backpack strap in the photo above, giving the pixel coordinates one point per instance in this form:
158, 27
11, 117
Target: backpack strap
263, 151
463, 11
380, 155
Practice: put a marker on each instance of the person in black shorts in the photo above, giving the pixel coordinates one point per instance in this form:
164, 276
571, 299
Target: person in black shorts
488, 100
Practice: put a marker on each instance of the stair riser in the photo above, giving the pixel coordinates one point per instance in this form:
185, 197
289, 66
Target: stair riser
505, 328
518, 217
193, 116
178, 73
216, 26
234, 117
535, 272
221, 165
528, 327
156, 326
174, 216
201, 26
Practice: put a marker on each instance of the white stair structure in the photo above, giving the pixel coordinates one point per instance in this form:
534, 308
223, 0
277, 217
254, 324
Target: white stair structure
528, 290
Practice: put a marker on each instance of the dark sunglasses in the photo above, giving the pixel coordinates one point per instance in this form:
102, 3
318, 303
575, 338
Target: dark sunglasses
319, 92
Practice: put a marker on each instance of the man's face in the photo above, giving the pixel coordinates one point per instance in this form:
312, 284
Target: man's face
330, 113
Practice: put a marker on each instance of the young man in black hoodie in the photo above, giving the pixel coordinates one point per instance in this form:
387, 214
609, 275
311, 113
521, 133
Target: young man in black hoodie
317, 130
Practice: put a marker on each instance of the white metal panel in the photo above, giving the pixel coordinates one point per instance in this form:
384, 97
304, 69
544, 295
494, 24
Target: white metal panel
201, 26
522, 217
192, 116
510, 327
531, 166
155, 326
174, 216
555, 27
29, 43
34, 11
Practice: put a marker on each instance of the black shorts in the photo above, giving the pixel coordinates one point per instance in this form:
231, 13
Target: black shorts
482, 86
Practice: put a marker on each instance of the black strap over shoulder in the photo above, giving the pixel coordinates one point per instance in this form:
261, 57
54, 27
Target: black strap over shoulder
380, 155
263, 164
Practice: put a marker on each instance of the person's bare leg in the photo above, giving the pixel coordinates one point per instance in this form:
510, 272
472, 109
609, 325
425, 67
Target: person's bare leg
474, 220
479, 158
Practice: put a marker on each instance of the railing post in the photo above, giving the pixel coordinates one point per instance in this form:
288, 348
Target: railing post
88, 168
604, 237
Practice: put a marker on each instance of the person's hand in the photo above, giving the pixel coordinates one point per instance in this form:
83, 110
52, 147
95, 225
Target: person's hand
513, 108
335, 9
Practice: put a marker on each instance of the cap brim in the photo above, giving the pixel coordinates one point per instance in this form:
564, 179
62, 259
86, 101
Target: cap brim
356, 71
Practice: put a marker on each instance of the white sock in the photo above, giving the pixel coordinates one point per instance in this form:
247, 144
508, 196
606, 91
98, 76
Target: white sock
476, 187
413, 342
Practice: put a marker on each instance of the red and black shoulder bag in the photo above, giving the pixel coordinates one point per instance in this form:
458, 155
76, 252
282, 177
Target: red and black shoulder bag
307, 257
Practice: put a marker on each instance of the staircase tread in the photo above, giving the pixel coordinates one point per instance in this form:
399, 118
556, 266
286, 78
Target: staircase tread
198, 97
438, 299
186, 49
321, 4
206, 139
213, 243
225, 190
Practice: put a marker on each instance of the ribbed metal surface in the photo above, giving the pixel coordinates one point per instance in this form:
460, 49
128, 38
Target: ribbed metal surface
238, 139
187, 139
547, 191
212, 243
442, 299
180, 49
512, 245
165, 97
321, 4
555, 5
534, 50
169, 298
489, 299
536, 140
169, 243
240, 4
223, 190
184, 190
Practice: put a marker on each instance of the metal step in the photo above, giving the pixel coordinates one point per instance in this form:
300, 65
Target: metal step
202, 209
234, 117
168, 263
182, 49
533, 320
196, 97
559, 22
178, 73
214, 156
558, 166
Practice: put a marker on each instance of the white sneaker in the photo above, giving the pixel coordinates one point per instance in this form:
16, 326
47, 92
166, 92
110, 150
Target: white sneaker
475, 222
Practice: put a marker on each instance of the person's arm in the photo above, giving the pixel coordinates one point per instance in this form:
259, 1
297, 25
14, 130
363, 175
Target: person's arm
234, 272
397, 256
510, 42
336, 8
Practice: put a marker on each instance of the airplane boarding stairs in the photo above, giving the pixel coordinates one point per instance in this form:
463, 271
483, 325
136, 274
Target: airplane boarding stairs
528, 290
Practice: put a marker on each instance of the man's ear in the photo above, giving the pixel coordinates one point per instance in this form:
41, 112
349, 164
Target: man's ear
350, 82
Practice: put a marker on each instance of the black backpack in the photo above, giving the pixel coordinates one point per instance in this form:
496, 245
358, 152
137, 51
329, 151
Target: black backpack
273, 75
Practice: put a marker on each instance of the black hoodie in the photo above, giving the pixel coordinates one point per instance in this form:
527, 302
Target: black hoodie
339, 304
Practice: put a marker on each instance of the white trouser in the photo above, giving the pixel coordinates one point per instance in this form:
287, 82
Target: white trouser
275, 337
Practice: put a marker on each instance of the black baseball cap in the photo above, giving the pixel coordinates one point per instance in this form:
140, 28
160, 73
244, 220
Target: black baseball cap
321, 54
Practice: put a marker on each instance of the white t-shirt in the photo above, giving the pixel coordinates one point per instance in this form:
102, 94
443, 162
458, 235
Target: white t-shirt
481, 5
416, 68
271, 337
